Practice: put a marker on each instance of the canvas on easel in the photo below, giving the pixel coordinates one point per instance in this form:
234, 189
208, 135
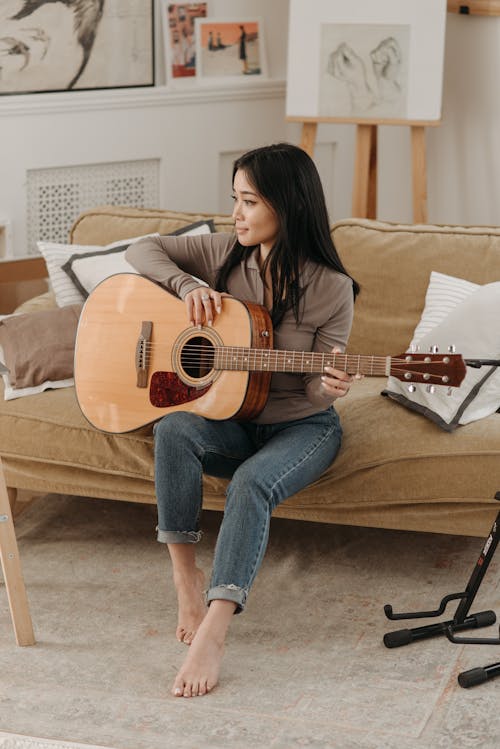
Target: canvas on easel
368, 63
366, 59
364, 70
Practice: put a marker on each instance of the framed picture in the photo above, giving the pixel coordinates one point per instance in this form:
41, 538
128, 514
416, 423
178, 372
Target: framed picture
366, 60
230, 49
64, 46
178, 23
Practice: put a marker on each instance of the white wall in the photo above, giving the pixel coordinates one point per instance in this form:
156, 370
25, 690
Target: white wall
196, 134
463, 153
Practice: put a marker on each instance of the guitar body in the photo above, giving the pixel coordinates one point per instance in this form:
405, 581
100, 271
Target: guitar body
134, 359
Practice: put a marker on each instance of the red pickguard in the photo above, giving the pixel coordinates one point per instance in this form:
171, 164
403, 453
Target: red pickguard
167, 389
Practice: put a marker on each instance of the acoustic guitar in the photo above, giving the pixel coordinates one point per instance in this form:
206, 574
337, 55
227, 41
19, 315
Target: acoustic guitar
136, 359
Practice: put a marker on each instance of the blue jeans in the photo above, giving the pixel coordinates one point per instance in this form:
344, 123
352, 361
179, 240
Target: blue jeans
266, 463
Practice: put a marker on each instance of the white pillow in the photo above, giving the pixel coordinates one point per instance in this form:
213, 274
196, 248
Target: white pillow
56, 255
466, 317
89, 269
443, 294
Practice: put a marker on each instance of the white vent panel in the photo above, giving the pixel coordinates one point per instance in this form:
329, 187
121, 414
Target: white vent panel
57, 196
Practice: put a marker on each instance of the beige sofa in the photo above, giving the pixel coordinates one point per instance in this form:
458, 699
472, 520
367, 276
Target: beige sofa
396, 469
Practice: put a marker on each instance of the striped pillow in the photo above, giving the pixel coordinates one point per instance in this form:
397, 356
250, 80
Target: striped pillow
56, 255
443, 295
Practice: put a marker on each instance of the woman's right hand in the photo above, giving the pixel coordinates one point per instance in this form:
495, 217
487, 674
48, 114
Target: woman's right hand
201, 305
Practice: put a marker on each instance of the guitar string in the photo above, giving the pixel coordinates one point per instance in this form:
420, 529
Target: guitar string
378, 364
202, 347
379, 373
194, 349
193, 353
373, 371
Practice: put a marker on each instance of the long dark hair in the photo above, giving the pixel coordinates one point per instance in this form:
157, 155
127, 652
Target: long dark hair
287, 180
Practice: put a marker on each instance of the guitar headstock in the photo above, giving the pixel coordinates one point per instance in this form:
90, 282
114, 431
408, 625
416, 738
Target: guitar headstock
429, 369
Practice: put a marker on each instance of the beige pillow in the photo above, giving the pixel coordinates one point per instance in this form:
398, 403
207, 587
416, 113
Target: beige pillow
39, 346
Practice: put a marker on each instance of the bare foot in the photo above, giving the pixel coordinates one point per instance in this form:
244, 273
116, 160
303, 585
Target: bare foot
191, 604
199, 673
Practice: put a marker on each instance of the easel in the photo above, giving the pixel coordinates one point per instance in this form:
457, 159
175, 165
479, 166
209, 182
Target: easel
474, 7
364, 195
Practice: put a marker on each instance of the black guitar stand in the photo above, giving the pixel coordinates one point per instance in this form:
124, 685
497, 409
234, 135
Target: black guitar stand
461, 621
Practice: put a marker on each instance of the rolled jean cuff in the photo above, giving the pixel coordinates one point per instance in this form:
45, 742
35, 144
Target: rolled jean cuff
228, 593
178, 537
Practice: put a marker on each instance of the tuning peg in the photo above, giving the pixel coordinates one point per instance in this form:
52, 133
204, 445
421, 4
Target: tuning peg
414, 348
411, 388
430, 388
449, 391
451, 349
434, 349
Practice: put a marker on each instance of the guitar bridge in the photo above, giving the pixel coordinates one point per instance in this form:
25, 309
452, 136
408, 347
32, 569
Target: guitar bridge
141, 354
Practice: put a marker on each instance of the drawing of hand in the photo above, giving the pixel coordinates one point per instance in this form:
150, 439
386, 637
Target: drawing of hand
386, 60
345, 65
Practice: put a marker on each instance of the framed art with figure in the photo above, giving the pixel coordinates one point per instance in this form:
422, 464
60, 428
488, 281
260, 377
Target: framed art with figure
178, 23
65, 45
230, 49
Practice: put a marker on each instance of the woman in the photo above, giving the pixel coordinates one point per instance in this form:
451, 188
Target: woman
243, 49
282, 257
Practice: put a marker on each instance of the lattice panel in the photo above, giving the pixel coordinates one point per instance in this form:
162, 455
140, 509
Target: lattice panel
57, 196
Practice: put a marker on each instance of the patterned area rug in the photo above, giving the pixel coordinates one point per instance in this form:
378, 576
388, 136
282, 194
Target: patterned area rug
305, 666
9, 741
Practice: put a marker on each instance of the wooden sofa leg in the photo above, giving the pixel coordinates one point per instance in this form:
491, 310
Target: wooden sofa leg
12, 572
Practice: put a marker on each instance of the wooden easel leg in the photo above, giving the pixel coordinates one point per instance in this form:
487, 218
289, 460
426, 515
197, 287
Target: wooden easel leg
308, 137
419, 174
364, 194
12, 572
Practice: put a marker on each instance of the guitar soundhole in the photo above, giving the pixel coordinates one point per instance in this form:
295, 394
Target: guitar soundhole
197, 357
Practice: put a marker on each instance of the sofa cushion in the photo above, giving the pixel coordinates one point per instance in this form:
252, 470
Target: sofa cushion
394, 469
110, 223
47, 300
393, 263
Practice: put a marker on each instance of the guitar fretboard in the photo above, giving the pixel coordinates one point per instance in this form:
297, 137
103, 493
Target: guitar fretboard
277, 360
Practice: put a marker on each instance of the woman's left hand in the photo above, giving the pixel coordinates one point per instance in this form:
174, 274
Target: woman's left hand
335, 382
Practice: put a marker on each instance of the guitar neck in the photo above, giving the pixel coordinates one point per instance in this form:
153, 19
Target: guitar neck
276, 360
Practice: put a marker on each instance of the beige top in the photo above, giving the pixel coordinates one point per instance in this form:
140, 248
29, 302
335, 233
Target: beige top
327, 308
